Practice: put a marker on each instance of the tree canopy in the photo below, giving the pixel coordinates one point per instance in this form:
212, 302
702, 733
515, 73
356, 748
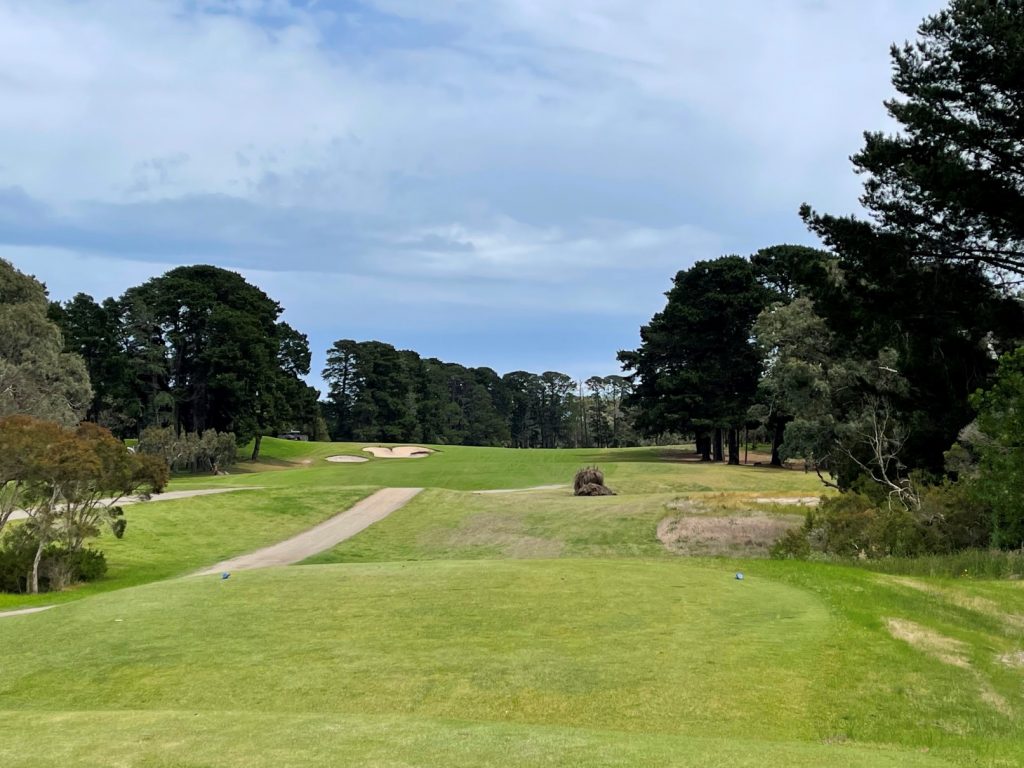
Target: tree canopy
37, 376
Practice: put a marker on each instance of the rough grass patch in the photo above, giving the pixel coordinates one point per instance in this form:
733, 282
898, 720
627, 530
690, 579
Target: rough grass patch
946, 649
734, 535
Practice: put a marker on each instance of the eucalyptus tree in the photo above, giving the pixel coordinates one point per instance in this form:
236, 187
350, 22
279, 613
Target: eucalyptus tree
37, 376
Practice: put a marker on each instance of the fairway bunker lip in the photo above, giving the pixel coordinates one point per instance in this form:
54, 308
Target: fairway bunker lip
398, 451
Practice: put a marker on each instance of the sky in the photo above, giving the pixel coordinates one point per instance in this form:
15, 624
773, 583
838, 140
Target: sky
505, 183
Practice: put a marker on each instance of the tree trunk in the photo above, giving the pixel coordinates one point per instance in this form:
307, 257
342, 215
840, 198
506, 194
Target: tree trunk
704, 447
780, 429
734, 446
33, 578
718, 448
256, 446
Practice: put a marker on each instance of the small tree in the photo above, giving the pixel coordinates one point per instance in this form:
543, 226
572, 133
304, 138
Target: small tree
69, 481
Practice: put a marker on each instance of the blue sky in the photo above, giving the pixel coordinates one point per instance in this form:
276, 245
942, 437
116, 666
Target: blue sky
509, 183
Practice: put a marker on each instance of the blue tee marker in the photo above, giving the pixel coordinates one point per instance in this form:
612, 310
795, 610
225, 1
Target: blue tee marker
225, 575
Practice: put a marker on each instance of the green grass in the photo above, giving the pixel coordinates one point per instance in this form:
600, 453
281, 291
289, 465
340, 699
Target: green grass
453, 525
670, 660
170, 538
972, 563
530, 629
460, 468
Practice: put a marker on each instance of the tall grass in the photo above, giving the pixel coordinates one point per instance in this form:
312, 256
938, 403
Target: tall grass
970, 563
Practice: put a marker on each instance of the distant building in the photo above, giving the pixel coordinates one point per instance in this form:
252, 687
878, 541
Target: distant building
293, 436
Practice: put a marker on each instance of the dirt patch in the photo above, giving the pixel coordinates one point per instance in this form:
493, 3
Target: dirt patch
347, 459
521, 490
735, 535
504, 533
946, 649
787, 501
398, 452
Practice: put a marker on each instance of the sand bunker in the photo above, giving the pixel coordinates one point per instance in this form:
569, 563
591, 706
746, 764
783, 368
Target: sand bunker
347, 459
398, 452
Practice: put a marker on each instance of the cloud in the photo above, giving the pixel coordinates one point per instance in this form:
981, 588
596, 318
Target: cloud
481, 162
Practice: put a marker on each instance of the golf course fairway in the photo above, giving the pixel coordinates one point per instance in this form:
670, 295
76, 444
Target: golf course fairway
530, 629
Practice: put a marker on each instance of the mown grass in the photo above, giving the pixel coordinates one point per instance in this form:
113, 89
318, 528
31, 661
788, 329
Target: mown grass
170, 538
522, 629
673, 660
461, 468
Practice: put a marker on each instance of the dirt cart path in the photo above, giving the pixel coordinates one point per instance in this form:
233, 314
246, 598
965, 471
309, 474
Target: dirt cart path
169, 496
324, 536
524, 490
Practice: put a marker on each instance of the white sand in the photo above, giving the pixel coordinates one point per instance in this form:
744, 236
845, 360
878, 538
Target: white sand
398, 452
347, 459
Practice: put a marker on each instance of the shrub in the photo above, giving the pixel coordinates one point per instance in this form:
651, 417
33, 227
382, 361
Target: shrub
794, 545
957, 517
190, 452
58, 568
853, 524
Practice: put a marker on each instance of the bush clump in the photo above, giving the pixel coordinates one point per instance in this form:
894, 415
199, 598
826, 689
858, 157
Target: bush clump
589, 481
212, 451
59, 568
863, 524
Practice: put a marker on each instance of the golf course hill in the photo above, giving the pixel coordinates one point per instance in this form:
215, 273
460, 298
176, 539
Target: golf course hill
463, 608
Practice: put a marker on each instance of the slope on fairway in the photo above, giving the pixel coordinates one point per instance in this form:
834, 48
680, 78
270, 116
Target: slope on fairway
176, 537
571, 662
628, 470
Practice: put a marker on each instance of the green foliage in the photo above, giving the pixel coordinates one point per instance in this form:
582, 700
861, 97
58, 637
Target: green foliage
951, 179
945, 194
792, 546
59, 567
60, 476
999, 482
212, 451
37, 377
195, 349
380, 394
696, 368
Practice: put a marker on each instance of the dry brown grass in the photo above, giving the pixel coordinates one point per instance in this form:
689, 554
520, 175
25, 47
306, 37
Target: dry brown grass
1015, 659
589, 481
946, 649
714, 535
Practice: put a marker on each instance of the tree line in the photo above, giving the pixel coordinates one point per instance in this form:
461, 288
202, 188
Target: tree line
889, 361
378, 393
199, 349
